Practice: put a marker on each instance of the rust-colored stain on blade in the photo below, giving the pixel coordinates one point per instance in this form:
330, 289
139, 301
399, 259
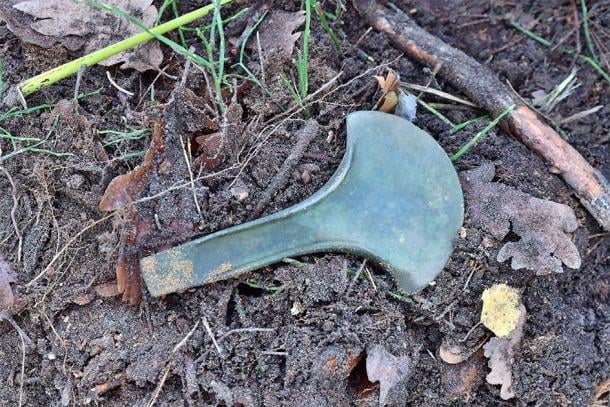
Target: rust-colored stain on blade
176, 274
218, 271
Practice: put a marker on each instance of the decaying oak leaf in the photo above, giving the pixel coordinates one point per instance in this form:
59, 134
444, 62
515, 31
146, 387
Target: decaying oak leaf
501, 309
390, 371
501, 353
7, 276
542, 225
276, 31
75, 25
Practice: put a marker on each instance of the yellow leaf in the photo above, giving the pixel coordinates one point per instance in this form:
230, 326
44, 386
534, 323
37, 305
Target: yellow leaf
501, 308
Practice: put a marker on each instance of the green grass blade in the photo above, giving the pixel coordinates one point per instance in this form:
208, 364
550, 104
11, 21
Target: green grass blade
585, 28
481, 134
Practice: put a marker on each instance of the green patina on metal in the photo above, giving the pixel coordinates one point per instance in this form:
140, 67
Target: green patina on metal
395, 198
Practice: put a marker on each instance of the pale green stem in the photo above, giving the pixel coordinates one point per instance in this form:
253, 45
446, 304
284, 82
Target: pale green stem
56, 74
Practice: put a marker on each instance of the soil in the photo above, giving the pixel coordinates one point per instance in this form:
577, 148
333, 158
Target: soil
89, 347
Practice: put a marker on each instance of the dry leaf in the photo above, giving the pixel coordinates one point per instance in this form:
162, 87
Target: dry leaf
7, 276
501, 309
390, 371
542, 225
389, 86
501, 352
276, 31
75, 24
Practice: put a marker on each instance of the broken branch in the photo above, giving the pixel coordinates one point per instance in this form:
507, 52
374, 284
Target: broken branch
484, 88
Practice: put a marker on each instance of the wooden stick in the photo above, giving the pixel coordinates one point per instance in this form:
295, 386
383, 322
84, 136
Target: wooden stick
483, 87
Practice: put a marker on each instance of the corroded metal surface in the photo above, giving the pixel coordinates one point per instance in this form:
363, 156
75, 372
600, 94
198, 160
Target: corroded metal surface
394, 198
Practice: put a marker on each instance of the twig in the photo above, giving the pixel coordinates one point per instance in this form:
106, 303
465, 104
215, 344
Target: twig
209, 331
273, 352
155, 396
439, 93
370, 277
14, 212
465, 338
304, 138
351, 284
483, 88
79, 78
24, 338
190, 170
262, 60
186, 338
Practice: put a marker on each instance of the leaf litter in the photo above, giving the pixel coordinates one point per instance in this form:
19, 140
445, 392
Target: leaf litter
76, 25
543, 226
182, 128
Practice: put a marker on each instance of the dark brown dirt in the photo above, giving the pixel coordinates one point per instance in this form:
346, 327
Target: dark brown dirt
94, 349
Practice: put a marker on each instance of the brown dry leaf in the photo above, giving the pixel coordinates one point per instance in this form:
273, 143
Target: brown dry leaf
156, 224
390, 371
7, 276
276, 31
542, 225
75, 24
501, 352
389, 92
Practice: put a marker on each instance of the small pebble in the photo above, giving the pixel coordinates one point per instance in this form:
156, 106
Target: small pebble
240, 193
306, 177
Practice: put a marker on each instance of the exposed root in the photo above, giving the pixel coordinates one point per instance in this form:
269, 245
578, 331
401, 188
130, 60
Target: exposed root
14, 214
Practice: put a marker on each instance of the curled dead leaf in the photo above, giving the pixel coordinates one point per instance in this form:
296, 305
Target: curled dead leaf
389, 86
452, 354
124, 188
211, 151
